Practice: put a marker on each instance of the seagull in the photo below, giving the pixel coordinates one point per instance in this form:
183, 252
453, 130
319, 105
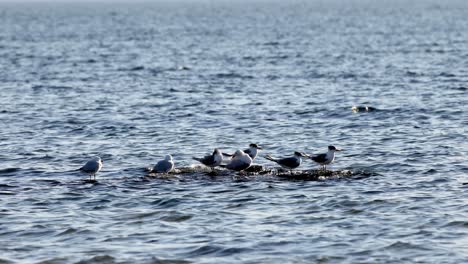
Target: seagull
92, 167
289, 162
325, 158
164, 166
252, 151
240, 161
212, 160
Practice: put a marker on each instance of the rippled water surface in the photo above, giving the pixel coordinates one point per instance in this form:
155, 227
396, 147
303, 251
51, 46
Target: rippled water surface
134, 82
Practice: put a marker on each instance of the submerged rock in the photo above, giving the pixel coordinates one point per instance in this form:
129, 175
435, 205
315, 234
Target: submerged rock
259, 171
314, 174
255, 168
361, 108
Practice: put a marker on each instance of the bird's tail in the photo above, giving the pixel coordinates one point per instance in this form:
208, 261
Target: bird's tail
268, 157
197, 159
227, 155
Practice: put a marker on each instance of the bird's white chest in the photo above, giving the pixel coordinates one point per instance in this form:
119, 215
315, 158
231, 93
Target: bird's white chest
298, 160
218, 158
330, 157
253, 152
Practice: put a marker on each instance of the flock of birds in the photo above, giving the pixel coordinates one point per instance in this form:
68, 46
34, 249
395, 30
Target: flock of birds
239, 161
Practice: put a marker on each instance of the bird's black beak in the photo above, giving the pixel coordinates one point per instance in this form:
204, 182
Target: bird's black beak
258, 147
336, 149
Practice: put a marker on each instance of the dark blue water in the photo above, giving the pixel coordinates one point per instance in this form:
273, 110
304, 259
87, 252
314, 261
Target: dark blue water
134, 82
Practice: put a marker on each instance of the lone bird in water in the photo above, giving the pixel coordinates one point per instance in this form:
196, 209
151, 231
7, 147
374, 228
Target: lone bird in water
212, 160
325, 158
164, 166
240, 161
289, 163
92, 167
252, 151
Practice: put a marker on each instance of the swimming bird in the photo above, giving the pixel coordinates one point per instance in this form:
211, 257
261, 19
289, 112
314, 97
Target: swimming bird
252, 151
212, 160
164, 166
289, 162
240, 161
92, 167
325, 158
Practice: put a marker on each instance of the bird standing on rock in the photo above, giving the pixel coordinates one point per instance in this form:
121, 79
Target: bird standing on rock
164, 166
289, 163
212, 160
240, 161
325, 158
92, 167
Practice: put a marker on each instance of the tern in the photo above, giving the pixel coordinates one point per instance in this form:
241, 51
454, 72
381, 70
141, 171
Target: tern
212, 160
240, 161
289, 162
92, 167
252, 151
325, 158
164, 166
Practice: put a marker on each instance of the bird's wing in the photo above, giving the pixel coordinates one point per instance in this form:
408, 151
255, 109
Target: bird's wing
320, 158
237, 165
290, 162
268, 157
162, 166
202, 160
91, 165
208, 160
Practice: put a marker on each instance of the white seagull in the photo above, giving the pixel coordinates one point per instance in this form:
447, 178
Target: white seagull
92, 167
326, 158
164, 166
252, 151
212, 160
289, 162
240, 161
